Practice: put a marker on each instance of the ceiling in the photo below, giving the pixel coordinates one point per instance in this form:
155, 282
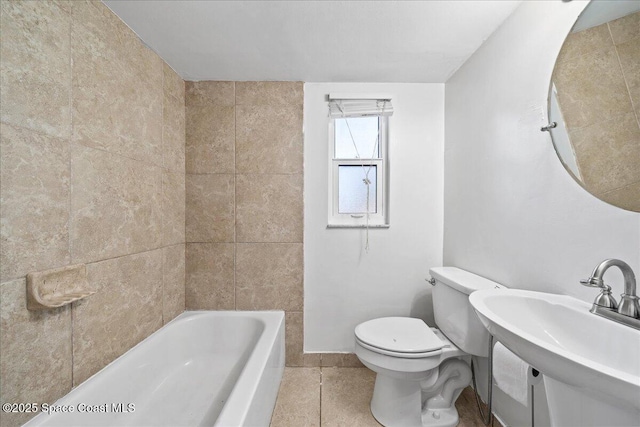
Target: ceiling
314, 41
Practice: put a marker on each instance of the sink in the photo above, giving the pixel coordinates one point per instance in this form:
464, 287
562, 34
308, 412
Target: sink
591, 364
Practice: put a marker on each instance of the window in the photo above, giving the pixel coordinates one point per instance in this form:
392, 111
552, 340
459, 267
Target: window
358, 161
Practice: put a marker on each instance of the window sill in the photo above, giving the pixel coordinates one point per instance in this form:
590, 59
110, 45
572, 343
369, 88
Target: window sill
357, 226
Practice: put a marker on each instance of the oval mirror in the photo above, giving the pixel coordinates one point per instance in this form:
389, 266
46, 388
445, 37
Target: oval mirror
594, 99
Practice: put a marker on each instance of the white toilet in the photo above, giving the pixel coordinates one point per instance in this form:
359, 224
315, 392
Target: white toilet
420, 370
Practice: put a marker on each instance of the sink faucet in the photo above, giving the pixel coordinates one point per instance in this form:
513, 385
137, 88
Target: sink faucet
628, 312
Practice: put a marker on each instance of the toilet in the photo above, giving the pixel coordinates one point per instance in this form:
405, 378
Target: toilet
421, 371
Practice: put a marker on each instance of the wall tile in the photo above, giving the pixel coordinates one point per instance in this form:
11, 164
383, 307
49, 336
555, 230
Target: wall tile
115, 205
593, 40
210, 276
210, 208
76, 57
626, 197
273, 94
35, 71
172, 83
269, 139
608, 152
173, 208
591, 87
629, 54
97, 17
173, 133
110, 322
113, 33
298, 401
173, 276
269, 276
35, 352
294, 341
625, 28
210, 129
117, 97
64, 5
210, 93
210, 139
34, 195
269, 208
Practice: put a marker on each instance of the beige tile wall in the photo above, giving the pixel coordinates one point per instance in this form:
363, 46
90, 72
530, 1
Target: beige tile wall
598, 81
244, 201
92, 171
244, 215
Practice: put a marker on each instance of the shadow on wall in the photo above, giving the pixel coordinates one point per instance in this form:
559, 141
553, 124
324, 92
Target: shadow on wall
422, 307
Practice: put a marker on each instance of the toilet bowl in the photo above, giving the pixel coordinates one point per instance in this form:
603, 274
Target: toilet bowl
421, 371
413, 362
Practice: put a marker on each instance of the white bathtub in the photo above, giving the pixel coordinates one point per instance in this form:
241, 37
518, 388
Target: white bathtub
204, 368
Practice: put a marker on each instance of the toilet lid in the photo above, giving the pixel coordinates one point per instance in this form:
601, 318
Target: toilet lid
399, 334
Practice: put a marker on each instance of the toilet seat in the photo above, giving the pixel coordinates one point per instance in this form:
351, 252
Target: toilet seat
397, 353
399, 337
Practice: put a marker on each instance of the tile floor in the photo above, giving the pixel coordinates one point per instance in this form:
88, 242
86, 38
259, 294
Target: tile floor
340, 397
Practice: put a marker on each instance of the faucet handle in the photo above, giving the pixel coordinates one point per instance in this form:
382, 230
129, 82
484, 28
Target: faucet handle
605, 299
629, 306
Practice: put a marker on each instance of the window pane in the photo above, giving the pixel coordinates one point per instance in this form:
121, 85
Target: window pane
365, 135
352, 190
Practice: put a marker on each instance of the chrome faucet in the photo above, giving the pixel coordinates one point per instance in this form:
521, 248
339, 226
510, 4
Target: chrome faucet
605, 305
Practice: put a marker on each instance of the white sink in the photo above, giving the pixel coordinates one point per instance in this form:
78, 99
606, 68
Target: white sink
591, 364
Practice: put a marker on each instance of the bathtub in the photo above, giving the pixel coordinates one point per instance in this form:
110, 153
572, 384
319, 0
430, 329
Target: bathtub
204, 368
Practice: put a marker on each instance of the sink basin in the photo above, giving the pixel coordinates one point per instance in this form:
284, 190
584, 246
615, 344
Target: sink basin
591, 364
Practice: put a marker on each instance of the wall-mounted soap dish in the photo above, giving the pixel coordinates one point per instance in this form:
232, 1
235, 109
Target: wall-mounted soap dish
55, 288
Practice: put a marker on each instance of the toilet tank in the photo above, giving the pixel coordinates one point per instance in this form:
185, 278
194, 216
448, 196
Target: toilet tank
454, 314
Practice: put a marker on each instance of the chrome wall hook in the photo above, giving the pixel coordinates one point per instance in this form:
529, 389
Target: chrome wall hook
548, 127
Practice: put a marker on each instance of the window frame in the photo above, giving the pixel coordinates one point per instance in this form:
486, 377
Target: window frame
379, 219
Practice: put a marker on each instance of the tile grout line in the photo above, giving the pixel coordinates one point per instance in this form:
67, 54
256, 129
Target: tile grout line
81, 145
624, 78
244, 243
240, 173
320, 420
162, 201
184, 173
235, 207
71, 306
620, 188
128, 254
70, 133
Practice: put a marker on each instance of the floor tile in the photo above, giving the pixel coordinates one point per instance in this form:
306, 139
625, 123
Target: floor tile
468, 410
332, 396
298, 402
346, 396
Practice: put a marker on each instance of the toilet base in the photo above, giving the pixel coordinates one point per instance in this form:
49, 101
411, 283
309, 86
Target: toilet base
396, 402
429, 402
440, 417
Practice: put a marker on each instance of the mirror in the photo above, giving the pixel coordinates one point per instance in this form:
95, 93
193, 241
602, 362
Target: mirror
594, 99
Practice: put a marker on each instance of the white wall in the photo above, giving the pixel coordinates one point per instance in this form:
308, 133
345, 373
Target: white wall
512, 212
344, 285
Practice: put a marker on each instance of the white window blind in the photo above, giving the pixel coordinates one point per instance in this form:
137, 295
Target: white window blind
359, 107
